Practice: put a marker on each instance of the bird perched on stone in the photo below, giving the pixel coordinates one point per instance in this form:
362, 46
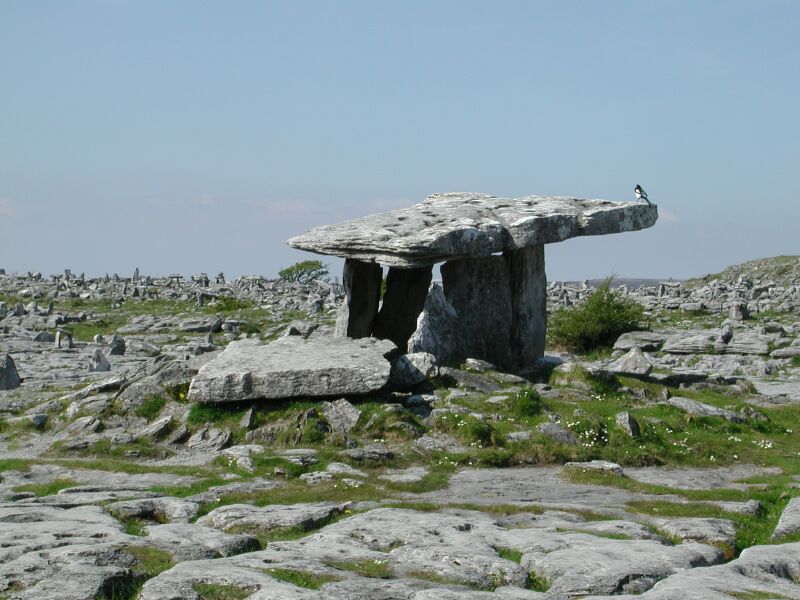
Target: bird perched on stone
641, 194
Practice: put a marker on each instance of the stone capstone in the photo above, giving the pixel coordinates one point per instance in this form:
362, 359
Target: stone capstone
293, 367
457, 225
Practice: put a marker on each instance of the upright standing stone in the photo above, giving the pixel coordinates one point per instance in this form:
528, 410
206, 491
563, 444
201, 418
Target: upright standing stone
406, 290
9, 378
362, 287
529, 303
480, 292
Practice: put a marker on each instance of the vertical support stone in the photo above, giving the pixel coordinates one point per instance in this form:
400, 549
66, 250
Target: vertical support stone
528, 303
403, 301
362, 287
480, 292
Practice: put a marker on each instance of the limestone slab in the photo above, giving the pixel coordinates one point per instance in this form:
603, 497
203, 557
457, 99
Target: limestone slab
293, 367
459, 225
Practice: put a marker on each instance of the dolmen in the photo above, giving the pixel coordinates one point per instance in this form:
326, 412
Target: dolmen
491, 304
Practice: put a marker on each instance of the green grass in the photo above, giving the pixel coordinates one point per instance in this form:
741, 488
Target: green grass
303, 579
150, 408
219, 591
47, 489
537, 583
376, 569
15, 464
509, 554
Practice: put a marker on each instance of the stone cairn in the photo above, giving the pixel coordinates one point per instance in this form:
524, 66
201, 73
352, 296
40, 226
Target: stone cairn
493, 276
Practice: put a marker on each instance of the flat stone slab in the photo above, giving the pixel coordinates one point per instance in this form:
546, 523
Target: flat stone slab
293, 367
460, 225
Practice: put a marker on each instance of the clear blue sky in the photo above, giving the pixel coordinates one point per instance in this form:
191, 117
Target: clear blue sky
190, 136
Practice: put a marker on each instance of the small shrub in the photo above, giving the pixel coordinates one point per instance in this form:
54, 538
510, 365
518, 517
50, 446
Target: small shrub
526, 403
598, 322
304, 272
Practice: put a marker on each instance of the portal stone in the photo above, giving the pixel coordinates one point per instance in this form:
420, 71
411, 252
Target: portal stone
362, 287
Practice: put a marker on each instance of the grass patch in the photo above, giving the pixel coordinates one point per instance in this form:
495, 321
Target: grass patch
220, 591
15, 464
47, 489
150, 408
537, 583
376, 569
303, 579
509, 554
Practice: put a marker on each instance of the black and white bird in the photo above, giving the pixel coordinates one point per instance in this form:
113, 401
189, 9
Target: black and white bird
641, 194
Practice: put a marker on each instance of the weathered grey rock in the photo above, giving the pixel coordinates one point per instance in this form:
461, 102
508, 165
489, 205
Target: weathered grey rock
9, 377
632, 363
157, 428
447, 226
707, 531
84, 425
692, 342
403, 301
596, 465
789, 522
172, 510
788, 352
44, 337
628, 424
190, 542
209, 438
409, 475
375, 452
411, 369
98, 363
437, 326
117, 347
264, 518
645, 340
748, 343
738, 312
769, 571
557, 433
362, 286
293, 367
693, 407
341, 416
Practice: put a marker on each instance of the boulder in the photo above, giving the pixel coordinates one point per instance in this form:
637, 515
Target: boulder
648, 341
699, 409
98, 363
293, 367
341, 416
411, 369
633, 363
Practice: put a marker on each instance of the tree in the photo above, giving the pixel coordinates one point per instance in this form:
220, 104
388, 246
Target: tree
304, 272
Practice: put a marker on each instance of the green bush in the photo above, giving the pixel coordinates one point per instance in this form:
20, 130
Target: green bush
303, 272
596, 323
526, 403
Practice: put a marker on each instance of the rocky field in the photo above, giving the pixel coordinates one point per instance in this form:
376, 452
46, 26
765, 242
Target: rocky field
133, 463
